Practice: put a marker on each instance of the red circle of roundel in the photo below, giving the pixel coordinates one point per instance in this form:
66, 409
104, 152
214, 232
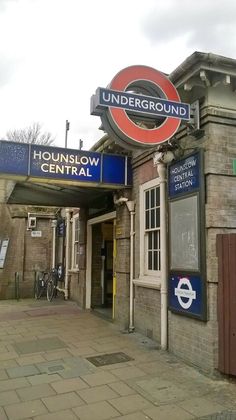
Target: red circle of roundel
127, 127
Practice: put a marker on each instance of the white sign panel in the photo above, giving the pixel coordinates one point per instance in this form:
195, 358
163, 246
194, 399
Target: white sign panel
36, 233
3, 252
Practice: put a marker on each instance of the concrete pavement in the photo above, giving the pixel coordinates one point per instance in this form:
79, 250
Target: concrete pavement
52, 367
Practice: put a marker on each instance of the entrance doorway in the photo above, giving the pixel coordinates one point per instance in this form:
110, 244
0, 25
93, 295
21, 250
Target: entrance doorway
108, 273
100, 288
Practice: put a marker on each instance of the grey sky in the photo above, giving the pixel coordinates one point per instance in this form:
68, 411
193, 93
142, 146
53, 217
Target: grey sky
201, 25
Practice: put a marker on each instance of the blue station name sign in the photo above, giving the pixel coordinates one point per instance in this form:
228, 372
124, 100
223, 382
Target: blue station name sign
184, 176
46, 162
138, 103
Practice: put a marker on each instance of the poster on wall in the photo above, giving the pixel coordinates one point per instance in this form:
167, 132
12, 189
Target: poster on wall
3, 252
184, 243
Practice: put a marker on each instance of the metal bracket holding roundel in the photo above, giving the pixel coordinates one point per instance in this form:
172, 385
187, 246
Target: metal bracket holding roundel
193, 125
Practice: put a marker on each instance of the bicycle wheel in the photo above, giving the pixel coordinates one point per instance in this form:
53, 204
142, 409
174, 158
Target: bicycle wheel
38, 287
50, 288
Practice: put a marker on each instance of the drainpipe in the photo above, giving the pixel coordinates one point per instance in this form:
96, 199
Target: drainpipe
54, 227
161, 167
131, 208
67, 254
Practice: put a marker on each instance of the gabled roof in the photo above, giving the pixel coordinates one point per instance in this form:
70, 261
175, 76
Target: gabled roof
204, 67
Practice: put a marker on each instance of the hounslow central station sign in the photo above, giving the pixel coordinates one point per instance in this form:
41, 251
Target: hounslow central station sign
55, 163
119, 105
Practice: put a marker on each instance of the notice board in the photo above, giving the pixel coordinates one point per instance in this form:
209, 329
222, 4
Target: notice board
3, 251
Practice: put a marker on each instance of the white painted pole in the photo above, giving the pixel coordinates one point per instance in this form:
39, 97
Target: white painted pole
103, 274
67, 254
131, 207
161, 168
53, 244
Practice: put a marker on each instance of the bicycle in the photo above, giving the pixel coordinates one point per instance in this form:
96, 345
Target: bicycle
40, 285
52, 284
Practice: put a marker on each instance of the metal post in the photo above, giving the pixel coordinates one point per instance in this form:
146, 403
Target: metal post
54, 228
67, 129
161, 168
17, 291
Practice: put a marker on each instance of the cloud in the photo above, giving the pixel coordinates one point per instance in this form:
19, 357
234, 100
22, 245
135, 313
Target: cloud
201, 25
8, 66
5, 3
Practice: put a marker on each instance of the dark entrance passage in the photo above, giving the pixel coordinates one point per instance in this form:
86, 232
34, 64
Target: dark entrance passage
102, 268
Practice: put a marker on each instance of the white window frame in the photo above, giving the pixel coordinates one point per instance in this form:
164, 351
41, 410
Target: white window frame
147, 278
75, 242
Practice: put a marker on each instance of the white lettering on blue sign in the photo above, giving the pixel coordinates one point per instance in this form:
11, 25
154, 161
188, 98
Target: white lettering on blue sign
65, 163
141, 103
185, 293
183, 175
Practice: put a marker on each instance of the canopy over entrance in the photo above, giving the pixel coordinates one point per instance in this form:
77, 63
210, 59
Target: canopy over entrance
47, 176
43, 194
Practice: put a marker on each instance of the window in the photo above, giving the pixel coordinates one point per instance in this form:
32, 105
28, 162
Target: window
75, 242
150, 229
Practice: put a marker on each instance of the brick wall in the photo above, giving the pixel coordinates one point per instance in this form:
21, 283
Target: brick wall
14, 230
37, 256
25, 254
147, 312
147, 300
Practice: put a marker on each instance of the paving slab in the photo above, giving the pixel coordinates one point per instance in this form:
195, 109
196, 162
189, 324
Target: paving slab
224, 415
8, 397
9, 384
62, 402
3, 374
130, 403
35, 392
201, 406
22, 371
99, 411
59, 415
122, 388
30, 360
43, 344
68, 385
134, 416
168, 412
43, 378
97, 393
44, 373
25, 410
100, 378
3, 415
128, 372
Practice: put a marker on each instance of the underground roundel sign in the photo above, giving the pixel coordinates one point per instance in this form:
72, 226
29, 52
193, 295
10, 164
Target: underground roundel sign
187, 295
140, 106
